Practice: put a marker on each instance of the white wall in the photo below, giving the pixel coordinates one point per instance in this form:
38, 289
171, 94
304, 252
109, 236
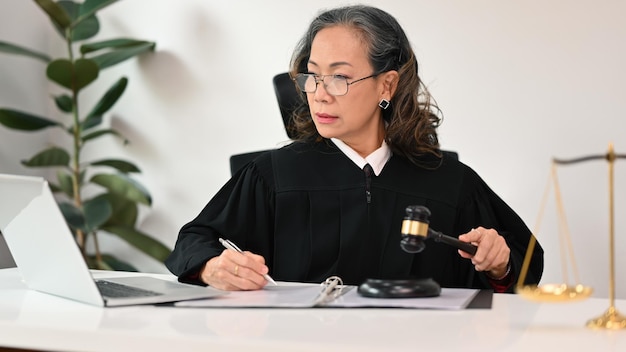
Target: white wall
519, 82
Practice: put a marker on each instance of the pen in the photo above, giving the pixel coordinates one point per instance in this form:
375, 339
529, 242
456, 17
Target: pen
228, 244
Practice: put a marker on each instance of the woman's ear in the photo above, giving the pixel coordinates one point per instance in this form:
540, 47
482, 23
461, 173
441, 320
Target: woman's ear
390, 84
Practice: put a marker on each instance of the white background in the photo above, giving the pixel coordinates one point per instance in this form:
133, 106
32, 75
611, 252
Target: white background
519, 82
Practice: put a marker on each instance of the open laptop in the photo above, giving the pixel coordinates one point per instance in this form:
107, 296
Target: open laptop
50, 261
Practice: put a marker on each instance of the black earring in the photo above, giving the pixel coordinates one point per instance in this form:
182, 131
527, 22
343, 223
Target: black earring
384, 104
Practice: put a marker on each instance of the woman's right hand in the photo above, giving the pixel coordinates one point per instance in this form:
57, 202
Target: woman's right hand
235, 271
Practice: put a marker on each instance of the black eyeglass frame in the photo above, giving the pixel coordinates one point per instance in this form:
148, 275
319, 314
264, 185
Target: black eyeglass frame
321, 78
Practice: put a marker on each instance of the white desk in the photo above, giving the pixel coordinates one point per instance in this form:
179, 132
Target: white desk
33, 320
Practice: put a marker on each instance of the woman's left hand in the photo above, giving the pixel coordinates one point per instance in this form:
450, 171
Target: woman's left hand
492, 255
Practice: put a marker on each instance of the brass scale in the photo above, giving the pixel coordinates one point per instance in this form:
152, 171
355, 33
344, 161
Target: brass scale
611, 319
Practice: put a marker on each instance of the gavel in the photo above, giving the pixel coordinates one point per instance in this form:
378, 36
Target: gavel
415, 231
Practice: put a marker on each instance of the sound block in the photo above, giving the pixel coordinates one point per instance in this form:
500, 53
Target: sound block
405, 288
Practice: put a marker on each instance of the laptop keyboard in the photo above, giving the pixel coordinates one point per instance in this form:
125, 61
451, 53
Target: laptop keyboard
113, 289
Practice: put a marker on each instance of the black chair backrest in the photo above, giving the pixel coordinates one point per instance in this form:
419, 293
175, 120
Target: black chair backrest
289, 99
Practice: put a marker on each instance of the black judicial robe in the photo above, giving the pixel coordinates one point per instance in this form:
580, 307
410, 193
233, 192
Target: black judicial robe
304, 208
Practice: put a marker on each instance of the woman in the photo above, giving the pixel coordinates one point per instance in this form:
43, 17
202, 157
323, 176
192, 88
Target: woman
332, 202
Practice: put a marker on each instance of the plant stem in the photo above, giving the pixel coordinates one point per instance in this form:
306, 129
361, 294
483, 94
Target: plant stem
75, 167
97, 248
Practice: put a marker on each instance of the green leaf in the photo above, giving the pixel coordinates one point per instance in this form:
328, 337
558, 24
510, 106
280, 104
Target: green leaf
74, 76
89, 9
121, 165
71, 7
124, 186
86, 72
125, 211
73, 216
117, 56
99, 133
54, 156
91, 122
65, 183
57, 14
141, 241
19, 50
96, 212
118, 43
110, 97
19, 120
64, 103
86, 28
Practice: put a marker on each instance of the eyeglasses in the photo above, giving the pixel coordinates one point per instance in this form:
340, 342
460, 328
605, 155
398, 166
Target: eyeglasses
335, 85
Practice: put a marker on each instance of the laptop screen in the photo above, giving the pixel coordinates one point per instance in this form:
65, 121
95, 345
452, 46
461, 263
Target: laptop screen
41, 243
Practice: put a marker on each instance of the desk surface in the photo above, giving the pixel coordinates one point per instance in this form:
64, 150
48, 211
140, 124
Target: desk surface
33, 320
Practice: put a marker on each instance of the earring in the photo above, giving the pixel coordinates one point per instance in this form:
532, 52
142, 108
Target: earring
384, 104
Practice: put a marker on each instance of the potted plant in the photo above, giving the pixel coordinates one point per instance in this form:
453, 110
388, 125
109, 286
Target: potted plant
94, 195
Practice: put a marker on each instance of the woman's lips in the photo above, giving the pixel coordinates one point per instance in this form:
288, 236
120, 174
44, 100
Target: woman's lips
325, 118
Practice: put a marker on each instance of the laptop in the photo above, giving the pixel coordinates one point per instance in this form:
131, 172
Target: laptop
50, 261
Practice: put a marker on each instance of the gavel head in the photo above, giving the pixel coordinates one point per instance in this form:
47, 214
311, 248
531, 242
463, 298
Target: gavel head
414, 228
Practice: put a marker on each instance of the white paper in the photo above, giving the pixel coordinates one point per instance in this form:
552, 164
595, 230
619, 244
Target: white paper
294, 295
450, 298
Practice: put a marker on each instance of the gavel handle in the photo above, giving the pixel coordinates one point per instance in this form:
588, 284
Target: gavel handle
454, 242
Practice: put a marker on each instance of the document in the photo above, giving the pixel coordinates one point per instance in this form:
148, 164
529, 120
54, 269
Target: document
449, 299
284, 295
303, 295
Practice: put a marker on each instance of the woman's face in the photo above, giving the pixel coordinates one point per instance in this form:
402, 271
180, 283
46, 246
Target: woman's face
355, 118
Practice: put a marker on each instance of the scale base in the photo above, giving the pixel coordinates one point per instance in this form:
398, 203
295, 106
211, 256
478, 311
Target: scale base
405, 288
611, 319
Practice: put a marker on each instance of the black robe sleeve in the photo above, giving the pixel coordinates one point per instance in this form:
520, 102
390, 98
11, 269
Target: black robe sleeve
478, 204
241, 211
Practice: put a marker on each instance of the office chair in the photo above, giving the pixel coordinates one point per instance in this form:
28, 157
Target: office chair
289, 99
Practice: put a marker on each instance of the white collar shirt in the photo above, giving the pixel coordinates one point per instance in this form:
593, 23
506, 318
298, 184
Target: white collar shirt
377, 159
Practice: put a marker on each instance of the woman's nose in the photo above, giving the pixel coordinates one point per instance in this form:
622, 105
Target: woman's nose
320, 93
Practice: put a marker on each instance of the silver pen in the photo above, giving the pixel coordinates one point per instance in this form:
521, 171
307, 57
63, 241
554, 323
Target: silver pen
229, 245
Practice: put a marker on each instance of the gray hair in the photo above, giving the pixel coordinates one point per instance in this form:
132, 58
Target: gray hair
387, 43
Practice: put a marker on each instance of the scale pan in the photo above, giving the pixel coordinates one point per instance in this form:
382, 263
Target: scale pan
554, 292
